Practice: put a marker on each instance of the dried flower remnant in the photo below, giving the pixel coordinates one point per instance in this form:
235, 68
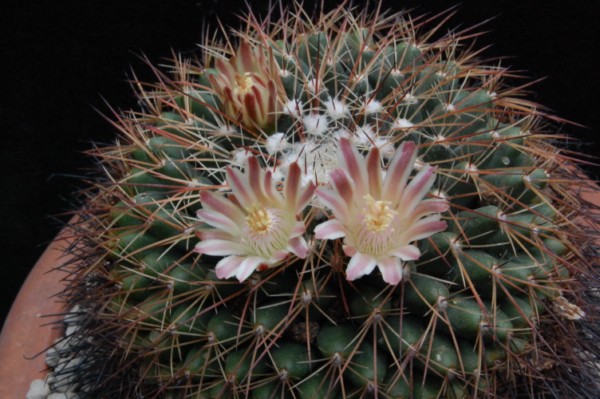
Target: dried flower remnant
247, 87
258, 229
380, 217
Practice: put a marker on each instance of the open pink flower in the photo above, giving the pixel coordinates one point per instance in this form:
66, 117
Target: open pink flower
259, 228
380, 218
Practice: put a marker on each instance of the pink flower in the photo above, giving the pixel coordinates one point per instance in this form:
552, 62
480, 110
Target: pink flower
259, 228
248, 87
380, 218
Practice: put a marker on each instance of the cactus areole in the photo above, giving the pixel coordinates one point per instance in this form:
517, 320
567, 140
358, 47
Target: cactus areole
340, 207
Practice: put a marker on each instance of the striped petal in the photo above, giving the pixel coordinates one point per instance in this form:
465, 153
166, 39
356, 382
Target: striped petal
218, 221
342, 185
427, 207
399, 171
417, 189
374, 171
391, 270
227, 267
247, 267
360, 265
332, 201
426, 227
354, 165
218, 203
240, 186
220, 248
330, 230
298, 247
407, 252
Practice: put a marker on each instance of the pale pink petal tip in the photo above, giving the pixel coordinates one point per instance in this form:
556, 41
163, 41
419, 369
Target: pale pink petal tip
329, 230
227, 267
391, 270
360, 265
247, 267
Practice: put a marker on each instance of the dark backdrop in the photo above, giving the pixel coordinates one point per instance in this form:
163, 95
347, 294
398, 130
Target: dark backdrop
61, 59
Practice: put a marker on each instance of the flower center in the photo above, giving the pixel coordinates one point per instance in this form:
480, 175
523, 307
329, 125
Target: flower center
378, 214
258, 219
244, 82
266, 231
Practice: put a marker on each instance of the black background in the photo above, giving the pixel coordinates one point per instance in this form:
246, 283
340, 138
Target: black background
61, 59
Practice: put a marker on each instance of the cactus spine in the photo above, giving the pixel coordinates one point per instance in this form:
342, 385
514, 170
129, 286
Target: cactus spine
335, 208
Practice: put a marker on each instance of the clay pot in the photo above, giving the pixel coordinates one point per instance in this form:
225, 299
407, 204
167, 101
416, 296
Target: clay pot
29, 329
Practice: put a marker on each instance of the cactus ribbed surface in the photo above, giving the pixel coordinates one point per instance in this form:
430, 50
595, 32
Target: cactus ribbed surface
342, 207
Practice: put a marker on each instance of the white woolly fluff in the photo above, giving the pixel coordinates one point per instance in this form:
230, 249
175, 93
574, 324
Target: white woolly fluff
386, 148
316, 124
341, 133
336, 109
410, 98
276, 142
293, 107
240, 156
365, 134
402, 123
372, 107
315, 160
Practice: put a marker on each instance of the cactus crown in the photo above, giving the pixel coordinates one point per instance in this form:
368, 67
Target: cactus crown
338, 207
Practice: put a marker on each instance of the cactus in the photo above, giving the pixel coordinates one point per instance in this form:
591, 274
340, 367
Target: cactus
333, 208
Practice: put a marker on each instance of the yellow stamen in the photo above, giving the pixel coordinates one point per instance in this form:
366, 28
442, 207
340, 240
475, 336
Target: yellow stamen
378, 214
258, 219
244, 82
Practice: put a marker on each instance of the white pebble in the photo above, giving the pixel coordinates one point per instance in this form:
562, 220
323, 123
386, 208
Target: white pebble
52, 357
74, 316
63, 395
71, 329
38, 389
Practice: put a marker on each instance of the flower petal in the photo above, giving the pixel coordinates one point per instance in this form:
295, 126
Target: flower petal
374, 171
407, 252
219, 221
427, 207
247, 267
209, 234
307, 194
220, 248
354, 165
399, 171
333, 202
342, 185
425, 228
292, 184
298, 247
416, 189
255, 179
330, 230
228, 266
391, 269
349, 250
360, 265
241, 187
298, 229
218, 203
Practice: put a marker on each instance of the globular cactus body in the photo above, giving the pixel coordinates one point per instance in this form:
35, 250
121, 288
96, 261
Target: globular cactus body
334, 208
